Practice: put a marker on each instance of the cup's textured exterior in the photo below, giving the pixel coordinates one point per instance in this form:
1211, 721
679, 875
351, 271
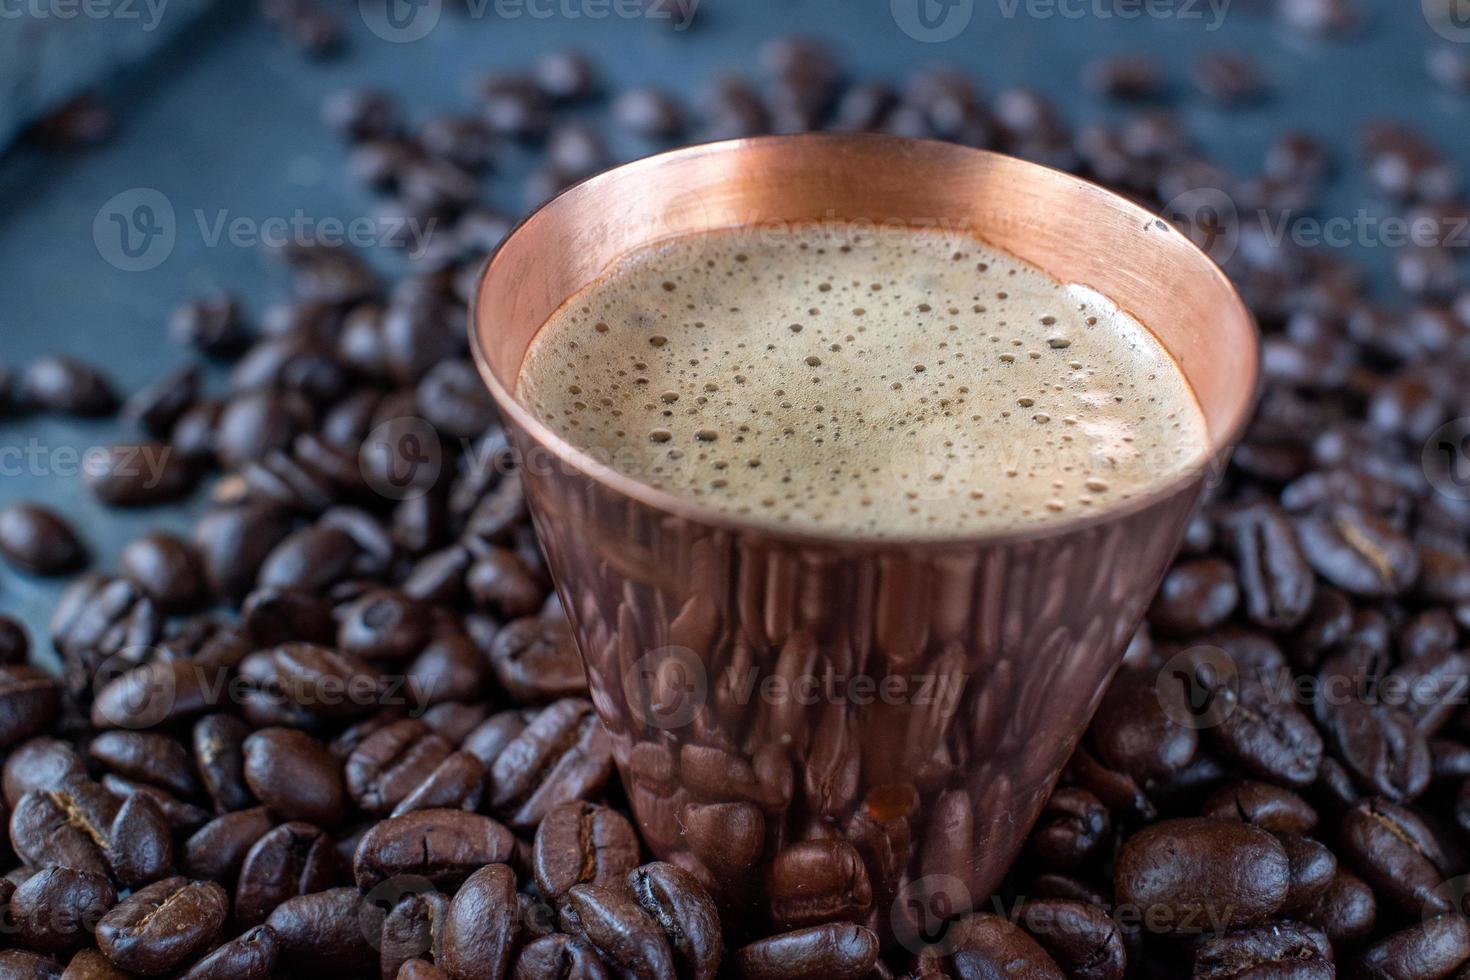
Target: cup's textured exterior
819, 726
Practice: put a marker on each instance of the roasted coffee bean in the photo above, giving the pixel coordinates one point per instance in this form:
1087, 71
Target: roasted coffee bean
1357, 551
448, 669
481, 927
30, 700
981, 944
536, 660
234, 542
1205, 873
1230, 78
420, 970
1313, 867
456, 783
316, 679
360, 114
1433, 948
272, 617
1280, 949
158, 406
1125, 77
155, 759
840, 951
158, 692
578, 842
391, 763
163, 926
443, 846
1071, 829
674, 899
560, 957
1397, 854
165, 568
80, 825
818, 881
322, 931
311, 560
412, 926
15, 642
1132, 732
383, 625
217, 850
1269, 807
91, 964
290, 860
1266, 735
564, 754
1276, 582
612, 923
648, 112
42, 763
1196, 597
249, 956
1380, 746
1081, 938
294, 776
213, 324
57, 909
35, 539
139, 474
65, 384
24, 965
1345, 910
219, 755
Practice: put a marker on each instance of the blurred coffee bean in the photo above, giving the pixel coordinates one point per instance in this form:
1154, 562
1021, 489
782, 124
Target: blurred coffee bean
65, 384
36, 539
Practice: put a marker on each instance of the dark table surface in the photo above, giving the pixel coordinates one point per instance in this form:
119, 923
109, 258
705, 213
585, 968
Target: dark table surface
225, 124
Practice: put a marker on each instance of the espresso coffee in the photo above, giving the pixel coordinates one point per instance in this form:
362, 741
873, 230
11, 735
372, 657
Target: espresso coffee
874, 382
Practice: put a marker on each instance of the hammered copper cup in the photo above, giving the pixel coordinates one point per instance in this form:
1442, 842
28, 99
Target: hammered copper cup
980, 660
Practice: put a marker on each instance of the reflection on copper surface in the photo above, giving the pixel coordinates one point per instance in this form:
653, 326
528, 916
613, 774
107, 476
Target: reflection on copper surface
978, 661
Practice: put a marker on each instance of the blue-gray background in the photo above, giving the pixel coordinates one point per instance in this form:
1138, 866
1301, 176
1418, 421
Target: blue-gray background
224, 122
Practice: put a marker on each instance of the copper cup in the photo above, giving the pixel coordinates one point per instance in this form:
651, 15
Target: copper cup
711, 643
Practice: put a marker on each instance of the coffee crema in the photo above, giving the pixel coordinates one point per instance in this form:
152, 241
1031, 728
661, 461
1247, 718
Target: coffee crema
875, 382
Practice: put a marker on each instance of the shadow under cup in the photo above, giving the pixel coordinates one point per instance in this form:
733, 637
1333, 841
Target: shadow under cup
822, 727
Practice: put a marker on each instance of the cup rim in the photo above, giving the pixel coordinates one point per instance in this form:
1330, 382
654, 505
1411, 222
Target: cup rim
567, 454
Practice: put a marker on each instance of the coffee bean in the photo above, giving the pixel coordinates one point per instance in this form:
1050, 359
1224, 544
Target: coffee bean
560, 957
294, 776
1163, 867
578, 843
1345, 910
212, 324
1380, 746
536, 660
217, 850
443, 846
1231, 78
818, 881
163, 926
91, 964
674, 899
562, 755
1313, 867
1081, 938
1132, 732
290, 860
981, 944
138, 475
249, 956
30, 700
1397, 854
391, 763
35, 539
1276, 582
1266, 806
234, 542
1358, 552
624, 936
158, 407
80, 825
322, 931
1266, 735
1284, 949
648, 112
15, 642
1133, 77
480, 930
67, 385
24, 965
1196, 596
1433, 948
57, 909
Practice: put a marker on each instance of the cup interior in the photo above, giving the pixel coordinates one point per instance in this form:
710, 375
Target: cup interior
1072, 229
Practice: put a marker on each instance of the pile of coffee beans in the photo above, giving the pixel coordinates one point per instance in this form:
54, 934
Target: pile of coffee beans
342, 729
